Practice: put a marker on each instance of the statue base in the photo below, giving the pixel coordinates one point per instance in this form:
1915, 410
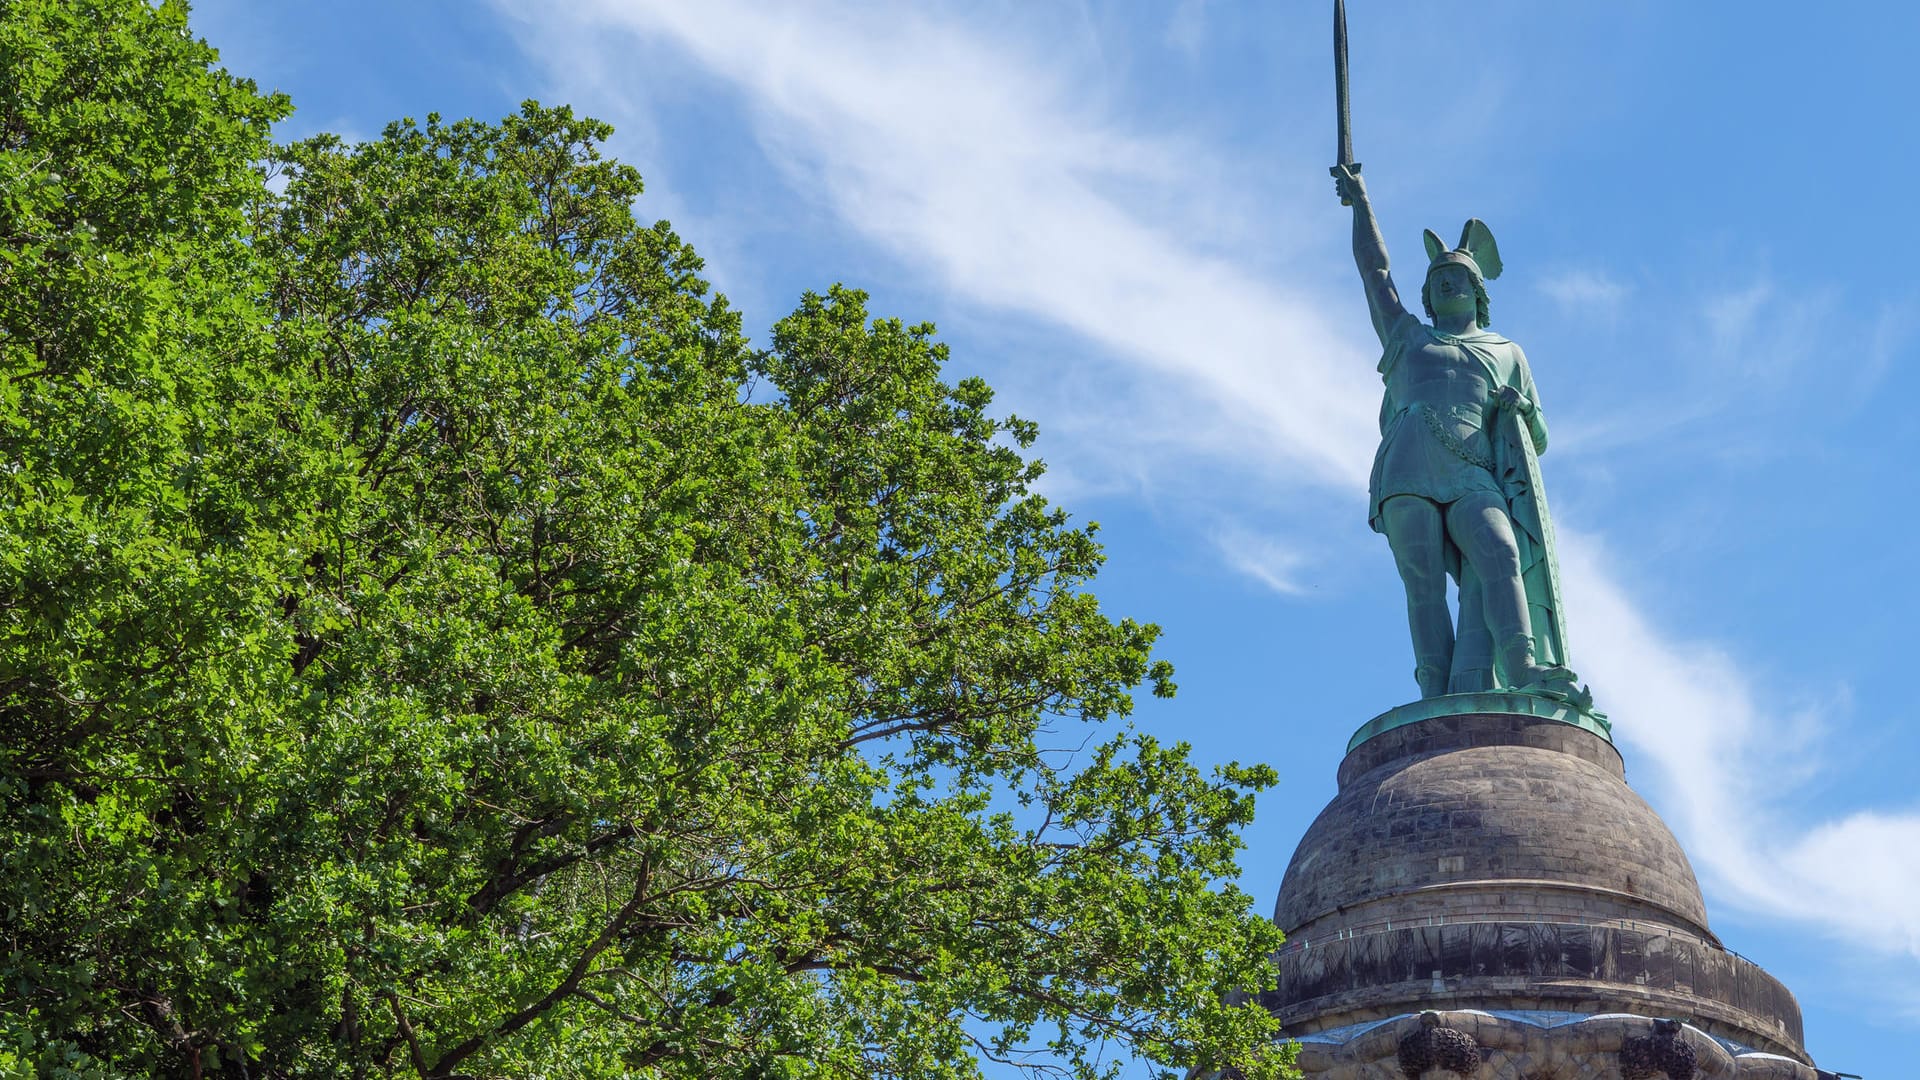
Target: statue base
1486, 881
1544, 706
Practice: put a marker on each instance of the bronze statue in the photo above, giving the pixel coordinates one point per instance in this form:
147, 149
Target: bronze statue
1456, 482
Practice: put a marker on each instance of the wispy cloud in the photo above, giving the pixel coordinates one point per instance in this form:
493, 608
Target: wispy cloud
975, 163
1892, 333
1584, 291
1753, 341
1723, 761
989, 174
1862, 868
1741, 348
1262, 558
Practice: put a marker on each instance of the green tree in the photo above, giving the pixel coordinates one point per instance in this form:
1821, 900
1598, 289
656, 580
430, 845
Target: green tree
437, 644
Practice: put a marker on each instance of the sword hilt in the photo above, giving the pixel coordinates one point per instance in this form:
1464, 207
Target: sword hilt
1350, 168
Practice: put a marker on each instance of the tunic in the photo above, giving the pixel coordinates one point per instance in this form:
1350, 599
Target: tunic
1437, 411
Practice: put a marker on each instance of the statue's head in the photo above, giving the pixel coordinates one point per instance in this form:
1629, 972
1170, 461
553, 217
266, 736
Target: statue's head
1458, 276
1454, 287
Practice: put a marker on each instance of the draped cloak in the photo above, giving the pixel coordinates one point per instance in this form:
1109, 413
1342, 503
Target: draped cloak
1515, 473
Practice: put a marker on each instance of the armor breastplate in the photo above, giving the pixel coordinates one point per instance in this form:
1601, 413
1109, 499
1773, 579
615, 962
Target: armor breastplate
1450, 382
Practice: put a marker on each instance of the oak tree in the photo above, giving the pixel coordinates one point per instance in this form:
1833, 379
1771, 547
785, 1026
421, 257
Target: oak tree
438, 643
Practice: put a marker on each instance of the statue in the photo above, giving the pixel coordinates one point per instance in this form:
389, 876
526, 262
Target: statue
1456, 482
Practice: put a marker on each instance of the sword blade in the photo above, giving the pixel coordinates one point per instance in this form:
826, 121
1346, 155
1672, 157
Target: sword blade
1345, 119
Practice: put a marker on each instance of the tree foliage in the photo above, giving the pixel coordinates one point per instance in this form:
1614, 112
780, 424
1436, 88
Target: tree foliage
436, 643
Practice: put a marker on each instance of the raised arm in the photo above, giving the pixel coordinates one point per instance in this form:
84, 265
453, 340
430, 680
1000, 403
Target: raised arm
1370, 254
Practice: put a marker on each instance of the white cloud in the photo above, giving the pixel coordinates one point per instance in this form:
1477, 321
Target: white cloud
1747, 345
1261, 558
987, 173
1723, 762
1585, 291
1863, 869
975, 162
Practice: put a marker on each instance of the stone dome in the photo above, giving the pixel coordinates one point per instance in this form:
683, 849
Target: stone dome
1485, 853
1478, 804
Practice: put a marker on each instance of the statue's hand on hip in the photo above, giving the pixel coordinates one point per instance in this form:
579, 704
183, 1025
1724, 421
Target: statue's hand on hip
1511, 398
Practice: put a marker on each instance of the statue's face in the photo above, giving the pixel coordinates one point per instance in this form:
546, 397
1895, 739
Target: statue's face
1450, 289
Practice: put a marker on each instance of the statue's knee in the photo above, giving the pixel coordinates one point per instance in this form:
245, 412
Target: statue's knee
1421, 572
1500, 561
1493, 552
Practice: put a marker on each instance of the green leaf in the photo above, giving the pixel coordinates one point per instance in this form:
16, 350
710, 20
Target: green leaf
439, 643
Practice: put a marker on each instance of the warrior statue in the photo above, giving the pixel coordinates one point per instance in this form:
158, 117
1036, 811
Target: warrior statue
1456, 482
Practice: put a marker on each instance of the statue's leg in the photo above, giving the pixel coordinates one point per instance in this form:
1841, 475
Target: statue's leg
1417, 535
1482, 531
1472, 645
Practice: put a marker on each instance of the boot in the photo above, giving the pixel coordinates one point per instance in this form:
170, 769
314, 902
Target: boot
1431, 679
1517, 663
1524, 673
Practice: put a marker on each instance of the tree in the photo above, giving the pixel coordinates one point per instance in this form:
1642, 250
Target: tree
438, 644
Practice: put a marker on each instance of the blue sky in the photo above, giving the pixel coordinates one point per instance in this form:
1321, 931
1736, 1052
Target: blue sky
1120, 216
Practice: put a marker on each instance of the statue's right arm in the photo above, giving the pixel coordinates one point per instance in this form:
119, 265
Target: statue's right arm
1370, 255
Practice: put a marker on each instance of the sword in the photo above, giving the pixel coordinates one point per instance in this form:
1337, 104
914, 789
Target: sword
1345, 120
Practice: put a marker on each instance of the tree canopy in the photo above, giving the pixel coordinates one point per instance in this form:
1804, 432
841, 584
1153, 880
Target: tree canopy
438, 643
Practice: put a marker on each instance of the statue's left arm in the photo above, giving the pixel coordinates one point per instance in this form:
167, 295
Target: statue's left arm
1521, 396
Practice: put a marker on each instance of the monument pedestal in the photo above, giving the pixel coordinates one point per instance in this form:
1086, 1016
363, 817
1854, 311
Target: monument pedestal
1485, 864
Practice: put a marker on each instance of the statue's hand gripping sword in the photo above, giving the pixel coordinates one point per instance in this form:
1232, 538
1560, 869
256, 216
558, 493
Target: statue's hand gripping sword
1345, 148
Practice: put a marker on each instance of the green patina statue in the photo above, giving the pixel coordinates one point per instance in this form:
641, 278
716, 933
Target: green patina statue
1456, 481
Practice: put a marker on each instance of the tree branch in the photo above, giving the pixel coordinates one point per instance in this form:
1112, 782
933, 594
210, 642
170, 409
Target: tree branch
566, 986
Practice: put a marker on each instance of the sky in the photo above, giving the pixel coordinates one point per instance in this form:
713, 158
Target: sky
1120, 216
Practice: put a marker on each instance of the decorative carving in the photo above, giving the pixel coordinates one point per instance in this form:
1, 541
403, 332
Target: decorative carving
1664, 1051
1435, 1046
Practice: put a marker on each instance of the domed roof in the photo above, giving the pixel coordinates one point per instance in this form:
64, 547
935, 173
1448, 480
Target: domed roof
1494, 858
1457, 812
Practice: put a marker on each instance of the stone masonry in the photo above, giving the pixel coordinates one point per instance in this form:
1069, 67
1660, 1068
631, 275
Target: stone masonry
1486, 897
